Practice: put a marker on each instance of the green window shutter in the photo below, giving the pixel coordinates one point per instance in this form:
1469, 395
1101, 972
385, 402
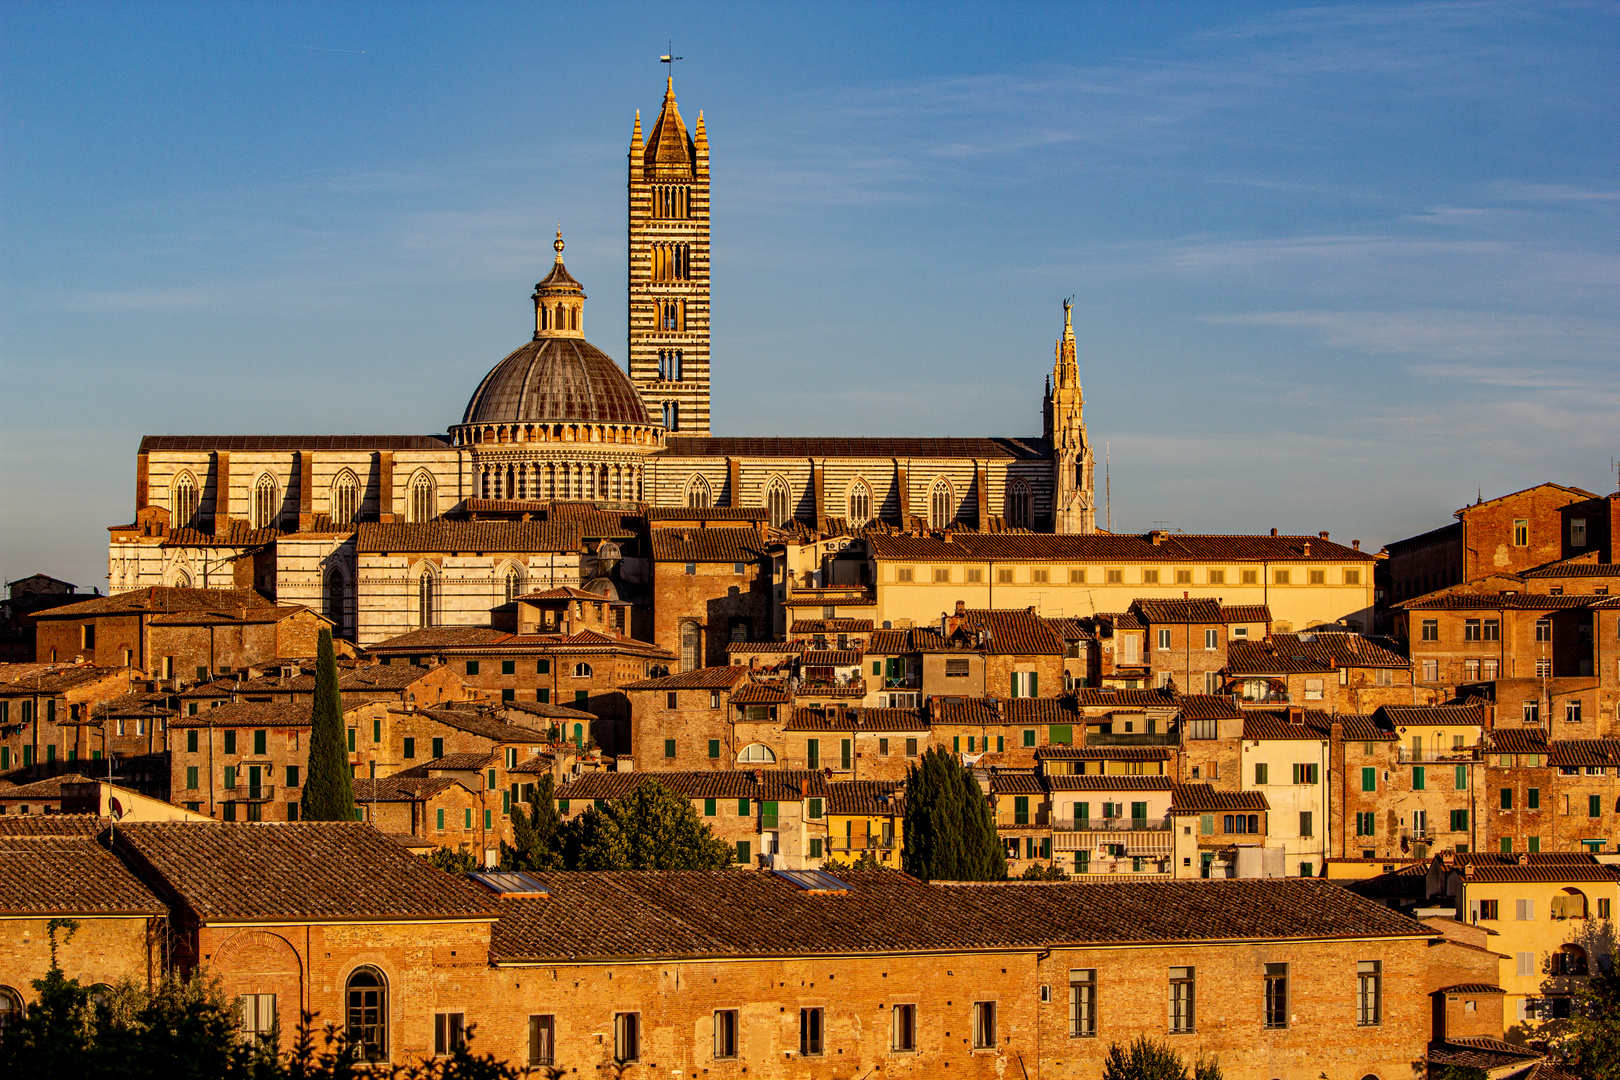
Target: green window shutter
259, 740
562, 806
1262, 773
815, 848
742, 807
466, 817
708, 808
1507, 798
1533, 844
1138, 811
582, 697
27, 756
600, 804
542, 667
5, 758
1014, 685
191, 741
508, 694
1029, 737
508, 667
410, 747
230, 742
813, 753
489, 822
376, 732
438, 748
1034, 684
1532, 799
1206, 825
191, 777
956, 743
1060, 734
743, 849
491, 778
440, 821
351, 740
1082, 813
714, 748
230, 776
815, 809
292, 776
1369, 779
1459, 821
1507, 845
1594, 806
472, 669
877, 667
543, 696
669, 748
1020, 809
844, 755
768, 813
1420, 778
1001, 743
50, 752
1462, 778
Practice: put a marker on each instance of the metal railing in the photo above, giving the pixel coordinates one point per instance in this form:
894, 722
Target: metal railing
251, 792
1113, 824
873, 843
1407, 755
902, 682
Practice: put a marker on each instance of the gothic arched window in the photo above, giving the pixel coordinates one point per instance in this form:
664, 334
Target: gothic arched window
672, 416
423, 505
941, 505
266, 502
697, 493
1018, 504
860, 503
425, 590
337, 602
345, 498
367, 995
690, 645
513, 584
776, 501
184, 502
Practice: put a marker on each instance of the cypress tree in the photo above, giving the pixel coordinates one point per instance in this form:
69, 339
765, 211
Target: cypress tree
950, 831
329, 785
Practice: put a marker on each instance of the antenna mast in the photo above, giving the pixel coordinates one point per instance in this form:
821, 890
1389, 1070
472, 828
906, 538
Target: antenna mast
1108, 486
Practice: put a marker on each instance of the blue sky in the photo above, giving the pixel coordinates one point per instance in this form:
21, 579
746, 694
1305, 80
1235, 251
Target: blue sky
1335, 267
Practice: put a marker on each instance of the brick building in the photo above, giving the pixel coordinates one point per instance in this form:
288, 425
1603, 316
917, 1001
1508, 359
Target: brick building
713, 587
42, 710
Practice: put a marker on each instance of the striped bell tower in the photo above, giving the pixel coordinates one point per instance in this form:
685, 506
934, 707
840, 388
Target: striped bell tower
669, 269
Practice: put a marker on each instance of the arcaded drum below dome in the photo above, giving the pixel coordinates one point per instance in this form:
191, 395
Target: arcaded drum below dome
554, 379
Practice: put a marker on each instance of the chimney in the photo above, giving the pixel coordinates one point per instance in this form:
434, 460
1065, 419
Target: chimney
1323, 534
1273, 532
1355, 545
1307, 549
950, 537
1158, 537
961, 608
1524, 858
1296, 714
1468, 870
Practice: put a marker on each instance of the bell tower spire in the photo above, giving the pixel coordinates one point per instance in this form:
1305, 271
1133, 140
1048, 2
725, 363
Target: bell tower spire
1074, 507
669, 267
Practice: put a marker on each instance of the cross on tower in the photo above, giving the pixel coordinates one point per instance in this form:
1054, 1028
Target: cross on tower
670, 58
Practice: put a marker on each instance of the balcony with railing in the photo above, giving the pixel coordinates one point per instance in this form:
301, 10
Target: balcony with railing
844, 846
1111, 824
242, 791
1135, 738
902, 682
1458, 756
831, 688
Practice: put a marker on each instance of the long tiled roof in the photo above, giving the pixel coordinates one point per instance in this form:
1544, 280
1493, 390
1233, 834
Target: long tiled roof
869, 797
1030, 449
1202, 798
54, 875
1271, 658
1209, 707
1110, 783
755, 913
1433, 715
709, 678
50, 824
50, 678
467, 536
1517, 741
243, 714
400, 788
1593, 753
1180, 611
1466, 601
1015, 632
1246, 613
780, 785
708, 513
436, 638
152, 443
1544, 873
548, 711
1016, 783
1270, 724
483, 724
760, 694
724, 545
830, 657
1093, 697
48, 788
832, 626
1105, 547
314, 871
160, 599
1104, 753
1344, 649
857, 719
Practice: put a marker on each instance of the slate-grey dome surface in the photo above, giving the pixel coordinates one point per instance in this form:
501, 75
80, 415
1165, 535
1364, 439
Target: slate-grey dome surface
555, 379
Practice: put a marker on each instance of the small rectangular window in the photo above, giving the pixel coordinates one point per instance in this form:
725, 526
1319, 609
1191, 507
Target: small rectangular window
1369, 992
1521, 532
1115, 577
903, 1029
984, 1025
191, 778
810, 1044
1276, 995
1164, 638
1183, 577
1352, 577
230, 742
258, 743
708, 808
191, 741
292, 776
1250, 577
508, 667
1280, 577
691, 569
1077, 577
902, 573
472, 667
725, 1033
543, 1040
942, 573
1318, 577
449, 1033
1082, 1003
1182, 1000
669, 748
1150, 577
1262, 774
627, 1032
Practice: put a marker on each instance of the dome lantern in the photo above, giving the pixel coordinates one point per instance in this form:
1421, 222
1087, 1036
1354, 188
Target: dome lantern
559, 301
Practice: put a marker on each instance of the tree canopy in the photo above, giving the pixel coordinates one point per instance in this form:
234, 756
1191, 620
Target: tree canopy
651, 829
1147, 1059
950, 830
328, 782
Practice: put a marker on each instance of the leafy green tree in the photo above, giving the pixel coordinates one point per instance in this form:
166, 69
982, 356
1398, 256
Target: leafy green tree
54, 1039
1147, 1059
1590, 1048
536, 835
1043, 872
328, 783
651, 829
454, 860
869, 860
950, 831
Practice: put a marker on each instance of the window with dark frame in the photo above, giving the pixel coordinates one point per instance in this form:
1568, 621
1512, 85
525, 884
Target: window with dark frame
1369, 992
903, 1029
1082, 1003
1182, 1000
810, 1044
1276, 995
626, 1037
984, 1025
542, 1040
725, 1034
449, 1033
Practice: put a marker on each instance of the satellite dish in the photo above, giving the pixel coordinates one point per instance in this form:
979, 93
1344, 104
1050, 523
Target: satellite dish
116, 808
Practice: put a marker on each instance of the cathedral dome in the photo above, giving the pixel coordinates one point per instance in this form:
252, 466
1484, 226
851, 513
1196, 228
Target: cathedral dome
556, 379
558, 376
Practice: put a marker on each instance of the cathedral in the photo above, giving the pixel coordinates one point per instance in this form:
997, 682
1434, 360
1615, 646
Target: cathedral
561, 450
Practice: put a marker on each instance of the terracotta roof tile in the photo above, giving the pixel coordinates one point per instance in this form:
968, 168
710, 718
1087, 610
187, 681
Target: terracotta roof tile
716, 678
1517, 741
1590, 753
48, 788
1179, 611
1016, 633
1105, 547
1012, 783
1345, 649
857, 719
1270, 724
467, 536
303, 871
1202, 798
467, 762
708, 513
51, 875
832, 626
1246, 613
249, 714
760, 694
547, 711
1104, 753
61, 825
51, 679
153, 443
1461, 601
830, 657
1431, 715
1272, 658
1209, 707
1093, 697
1545, 873
1110, 783
867, 797
722, 545
434, 638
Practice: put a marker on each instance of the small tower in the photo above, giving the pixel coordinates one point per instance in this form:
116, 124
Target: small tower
669, 269
1074, 503
559, 301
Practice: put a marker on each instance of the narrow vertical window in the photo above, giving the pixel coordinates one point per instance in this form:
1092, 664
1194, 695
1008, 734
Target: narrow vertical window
424, 599
184, 501
810, 1044
423, 504
626, 1037
725, 1034
1182, 1015
941, 505
1082, 1003
1369, 992
1276, 995
903, 1029
345, 498
776, 501
542, 1040
266, 503
368, 1014
984, 1025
